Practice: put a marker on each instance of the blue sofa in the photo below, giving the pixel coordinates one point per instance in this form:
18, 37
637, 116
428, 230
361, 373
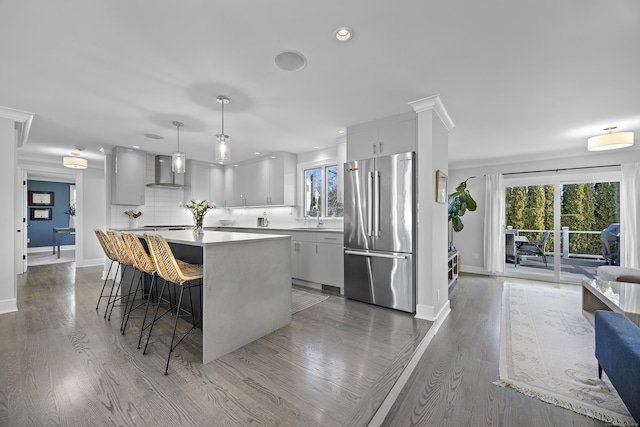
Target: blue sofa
618, 354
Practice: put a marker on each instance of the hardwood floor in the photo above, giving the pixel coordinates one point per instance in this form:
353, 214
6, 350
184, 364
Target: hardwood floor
63, 364
452, 384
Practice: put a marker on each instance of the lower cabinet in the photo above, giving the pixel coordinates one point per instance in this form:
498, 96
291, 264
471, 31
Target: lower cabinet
318, 262
316, 256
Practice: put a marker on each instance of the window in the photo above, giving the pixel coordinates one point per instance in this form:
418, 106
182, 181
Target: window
321, 197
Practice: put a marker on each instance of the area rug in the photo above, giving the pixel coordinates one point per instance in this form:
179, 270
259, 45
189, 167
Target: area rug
547, 352
301, 300
42, 258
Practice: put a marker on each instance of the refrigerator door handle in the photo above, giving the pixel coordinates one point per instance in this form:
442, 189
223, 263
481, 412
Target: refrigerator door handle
375, 255
370, 190
376, 205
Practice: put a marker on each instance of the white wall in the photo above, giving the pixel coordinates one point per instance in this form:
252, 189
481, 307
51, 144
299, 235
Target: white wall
8, 216
470, 240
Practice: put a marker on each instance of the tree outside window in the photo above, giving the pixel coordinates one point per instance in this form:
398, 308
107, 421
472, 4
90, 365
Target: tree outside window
321, 192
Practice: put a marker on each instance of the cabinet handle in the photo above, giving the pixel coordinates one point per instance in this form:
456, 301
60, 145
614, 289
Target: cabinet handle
380, 145
316, 248
330, 238
374, 148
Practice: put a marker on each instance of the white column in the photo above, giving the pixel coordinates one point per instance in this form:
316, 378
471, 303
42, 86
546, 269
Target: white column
434, 124
14, 130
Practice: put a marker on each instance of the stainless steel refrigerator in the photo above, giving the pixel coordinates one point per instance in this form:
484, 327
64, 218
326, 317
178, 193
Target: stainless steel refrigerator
379, 237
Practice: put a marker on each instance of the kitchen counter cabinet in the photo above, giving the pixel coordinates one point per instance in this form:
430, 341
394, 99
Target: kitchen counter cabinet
317, 255
247, 285
128, 174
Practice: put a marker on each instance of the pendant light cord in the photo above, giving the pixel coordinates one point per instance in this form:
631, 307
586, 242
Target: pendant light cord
222, 116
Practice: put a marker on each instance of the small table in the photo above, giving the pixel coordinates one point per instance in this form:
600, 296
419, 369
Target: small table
520, 240
621, 297
56, 237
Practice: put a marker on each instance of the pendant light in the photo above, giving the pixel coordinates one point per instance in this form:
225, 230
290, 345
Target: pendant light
610, 141
223, 144
178, 159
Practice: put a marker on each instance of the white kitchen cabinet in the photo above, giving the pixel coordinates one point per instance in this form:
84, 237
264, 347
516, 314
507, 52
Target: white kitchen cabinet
392, 135
196, 178
269, 180
319, 258
204, 182
216, 185
128, 174
229, 188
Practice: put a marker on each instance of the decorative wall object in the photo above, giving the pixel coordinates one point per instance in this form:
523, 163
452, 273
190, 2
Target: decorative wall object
40, 198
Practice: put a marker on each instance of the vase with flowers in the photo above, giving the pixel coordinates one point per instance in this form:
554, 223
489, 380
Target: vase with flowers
199, 209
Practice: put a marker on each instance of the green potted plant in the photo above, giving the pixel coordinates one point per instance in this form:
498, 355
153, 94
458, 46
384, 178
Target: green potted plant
460, 201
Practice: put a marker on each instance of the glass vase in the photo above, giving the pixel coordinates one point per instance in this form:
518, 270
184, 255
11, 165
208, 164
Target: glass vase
197, 227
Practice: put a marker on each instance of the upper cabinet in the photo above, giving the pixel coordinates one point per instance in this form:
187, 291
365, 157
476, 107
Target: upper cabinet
204, 182
128, 174
392, 135
266, 181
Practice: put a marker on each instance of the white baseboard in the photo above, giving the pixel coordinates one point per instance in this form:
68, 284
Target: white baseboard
8, 306
89, 262
427, 312
42, 249
474, 270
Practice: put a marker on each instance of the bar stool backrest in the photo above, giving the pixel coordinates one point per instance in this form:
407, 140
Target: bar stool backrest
107, 247
166, 263
124, 255
142, 259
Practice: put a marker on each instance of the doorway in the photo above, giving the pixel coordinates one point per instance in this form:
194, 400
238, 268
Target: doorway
49, 209
563, 227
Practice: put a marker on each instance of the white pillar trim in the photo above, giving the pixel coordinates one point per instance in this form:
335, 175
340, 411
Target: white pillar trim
23, 121
434, 102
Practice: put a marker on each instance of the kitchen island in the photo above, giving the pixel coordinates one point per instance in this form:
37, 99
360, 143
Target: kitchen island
246, 292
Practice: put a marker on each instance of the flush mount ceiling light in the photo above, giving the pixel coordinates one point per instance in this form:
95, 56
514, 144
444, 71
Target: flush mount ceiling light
343, 34
290, 60
223, 144
610, 141
178, 159
75, 162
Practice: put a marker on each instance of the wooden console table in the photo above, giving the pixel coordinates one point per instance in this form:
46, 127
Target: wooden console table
56, 237
621, 297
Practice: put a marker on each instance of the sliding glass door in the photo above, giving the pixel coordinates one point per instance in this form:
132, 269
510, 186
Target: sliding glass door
561, 228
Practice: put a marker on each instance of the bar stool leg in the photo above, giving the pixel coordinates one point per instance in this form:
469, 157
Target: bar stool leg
155, 317
127, 309
104, 285
175, 326
113, 285
146, 310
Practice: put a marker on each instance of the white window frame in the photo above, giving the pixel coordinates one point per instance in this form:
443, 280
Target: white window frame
318, 164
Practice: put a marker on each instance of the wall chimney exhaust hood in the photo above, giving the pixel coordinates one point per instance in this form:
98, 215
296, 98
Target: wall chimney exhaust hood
165, 178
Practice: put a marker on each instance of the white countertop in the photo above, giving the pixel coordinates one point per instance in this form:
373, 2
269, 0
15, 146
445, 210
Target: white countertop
210, 237
317, 229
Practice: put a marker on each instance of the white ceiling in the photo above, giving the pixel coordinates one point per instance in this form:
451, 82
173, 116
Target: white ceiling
520, 79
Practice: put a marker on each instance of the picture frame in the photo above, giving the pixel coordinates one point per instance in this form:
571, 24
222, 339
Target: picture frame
40, 198
40, 214
441, 187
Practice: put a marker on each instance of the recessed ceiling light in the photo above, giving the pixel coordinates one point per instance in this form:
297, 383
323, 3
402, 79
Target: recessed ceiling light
343, 34
153, 136
290, 60
257, 153
273, 157
315, 147
235, 166
221, 162
341, 131
135, 146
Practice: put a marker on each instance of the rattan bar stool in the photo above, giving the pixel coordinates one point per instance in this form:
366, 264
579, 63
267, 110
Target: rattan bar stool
180, 274
108, 251
125, 258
